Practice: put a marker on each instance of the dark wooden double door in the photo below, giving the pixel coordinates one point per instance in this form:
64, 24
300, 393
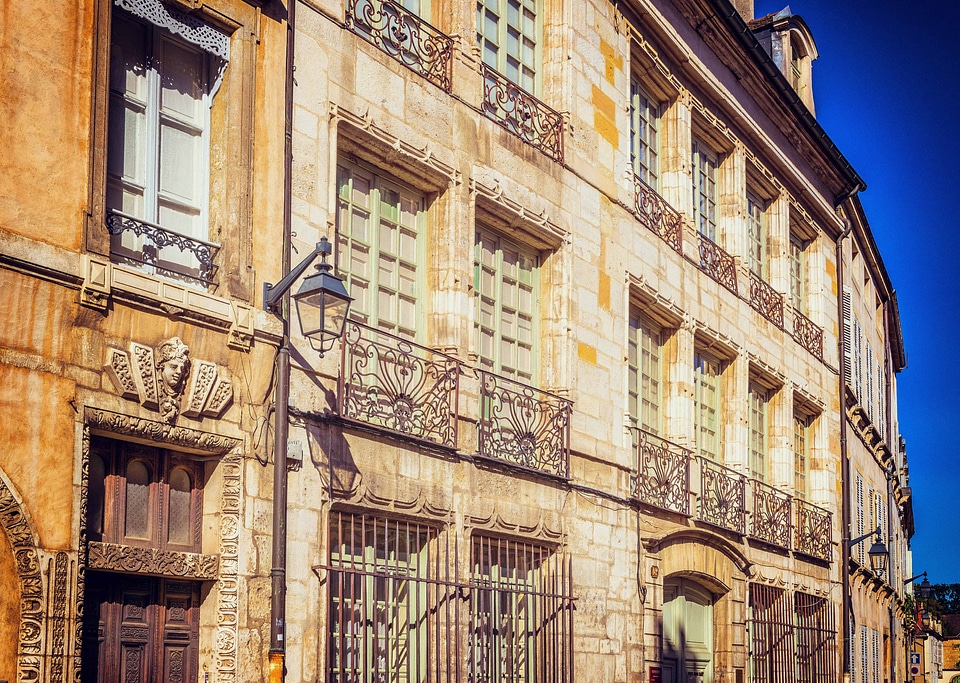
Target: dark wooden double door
140, 629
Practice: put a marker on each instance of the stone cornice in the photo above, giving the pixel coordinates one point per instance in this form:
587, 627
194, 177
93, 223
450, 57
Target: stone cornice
153, 431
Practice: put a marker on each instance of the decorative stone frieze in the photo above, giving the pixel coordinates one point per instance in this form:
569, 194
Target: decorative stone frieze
114, 557
158, 379
151, 430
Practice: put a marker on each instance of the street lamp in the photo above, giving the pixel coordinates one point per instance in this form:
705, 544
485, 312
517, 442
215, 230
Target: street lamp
322, 300
877, 552
322, 307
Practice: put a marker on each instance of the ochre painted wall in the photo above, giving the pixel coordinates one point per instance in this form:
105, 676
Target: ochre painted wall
9, 611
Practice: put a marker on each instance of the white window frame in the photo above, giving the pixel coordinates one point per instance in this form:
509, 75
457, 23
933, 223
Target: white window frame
759, 401
801, 454
706, 404
503, 18
501, 306
757, 235
798, 274
403, 291
706, 164
644, 372
645, 112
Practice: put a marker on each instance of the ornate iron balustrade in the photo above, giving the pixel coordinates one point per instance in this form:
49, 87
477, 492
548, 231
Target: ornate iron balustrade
814, 531
722, 496
404, 36
199, 266
663, 473
765, 300
394, 384
522, 114
771, 515
523, 425
808, 334
654, 212
717, 263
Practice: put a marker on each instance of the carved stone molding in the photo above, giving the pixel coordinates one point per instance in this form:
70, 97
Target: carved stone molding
500, 521
228, 584
114, 557
21, 536
58, 588
159, 378
152, 430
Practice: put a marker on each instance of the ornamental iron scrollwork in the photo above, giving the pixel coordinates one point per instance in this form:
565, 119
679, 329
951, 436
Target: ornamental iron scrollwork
722, 496
717, 263
394, 384
814, 531
771, 515
516, 110
765, 300
404, 36
663, 473
657, 215
523, 425
162, 249
808, 334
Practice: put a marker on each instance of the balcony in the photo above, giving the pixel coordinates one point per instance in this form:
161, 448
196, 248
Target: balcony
814, 531
519, 112
396, 385
524, 426
765, 300
771, 515
717, 263
663, 473
808, 334
657, 215
405, 37
160, 250
722, 496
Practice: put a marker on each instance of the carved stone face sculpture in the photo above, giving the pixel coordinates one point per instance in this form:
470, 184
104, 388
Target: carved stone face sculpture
173, 368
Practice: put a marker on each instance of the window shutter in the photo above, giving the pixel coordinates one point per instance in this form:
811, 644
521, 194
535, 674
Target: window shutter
846, 338
868, 366
860, 519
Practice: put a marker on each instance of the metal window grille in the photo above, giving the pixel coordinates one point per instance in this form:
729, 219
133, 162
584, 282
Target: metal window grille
521, 613
392, 602
771, 635
816, 638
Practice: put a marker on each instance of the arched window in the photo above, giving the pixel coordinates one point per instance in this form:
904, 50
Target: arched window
137, 514
179, 508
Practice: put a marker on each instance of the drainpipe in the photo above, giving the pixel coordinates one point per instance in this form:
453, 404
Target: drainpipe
278, 570
891, 473
844, 461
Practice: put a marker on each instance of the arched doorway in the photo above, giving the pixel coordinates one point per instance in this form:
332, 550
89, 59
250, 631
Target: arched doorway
687, 632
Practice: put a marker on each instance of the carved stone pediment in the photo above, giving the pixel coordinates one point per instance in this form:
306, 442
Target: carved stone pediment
114, 557
158, 378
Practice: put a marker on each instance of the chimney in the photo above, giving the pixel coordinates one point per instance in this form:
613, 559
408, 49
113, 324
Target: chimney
745, 8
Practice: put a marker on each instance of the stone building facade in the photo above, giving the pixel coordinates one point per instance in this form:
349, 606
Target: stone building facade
585, 419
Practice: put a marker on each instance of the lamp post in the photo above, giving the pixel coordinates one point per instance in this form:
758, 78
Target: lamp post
877, 553
322, 307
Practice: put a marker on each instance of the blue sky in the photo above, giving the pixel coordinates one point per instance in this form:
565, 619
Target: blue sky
887, 91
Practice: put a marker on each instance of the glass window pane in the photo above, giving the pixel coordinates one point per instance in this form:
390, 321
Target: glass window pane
137, 518
179, 518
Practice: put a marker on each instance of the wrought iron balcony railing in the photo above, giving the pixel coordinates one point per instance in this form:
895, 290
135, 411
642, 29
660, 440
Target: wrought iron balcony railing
522, 114
717, 263
404, 36
771, 515
523, 425
722, 496
654, 212
814, 531
663, 473
765, 300
808, 334
167, 252
394, 384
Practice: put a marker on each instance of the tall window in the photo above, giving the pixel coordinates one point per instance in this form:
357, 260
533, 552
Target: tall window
158, 131
705, 164
520, 613
798, 285
380, 228
861, 518
644, 134
801, 455
756, 235
816, 639
130, 484
508, 31
384, 599
506, 286
759, 431
706, 409
645, 376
